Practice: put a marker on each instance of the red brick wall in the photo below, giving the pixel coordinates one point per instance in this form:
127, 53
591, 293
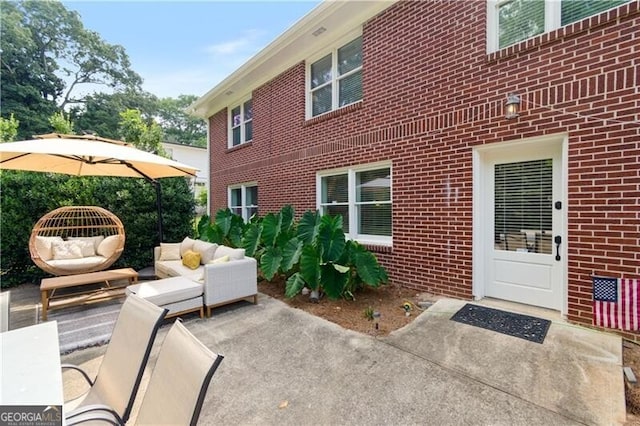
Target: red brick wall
431, 93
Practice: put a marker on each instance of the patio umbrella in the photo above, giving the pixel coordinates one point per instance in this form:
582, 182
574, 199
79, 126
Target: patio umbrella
90, 155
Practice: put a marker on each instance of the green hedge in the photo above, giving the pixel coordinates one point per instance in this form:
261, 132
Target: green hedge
26, 196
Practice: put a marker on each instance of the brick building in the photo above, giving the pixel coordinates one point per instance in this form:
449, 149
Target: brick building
394, 115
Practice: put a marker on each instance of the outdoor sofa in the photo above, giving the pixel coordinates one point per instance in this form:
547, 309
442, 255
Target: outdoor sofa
225, 274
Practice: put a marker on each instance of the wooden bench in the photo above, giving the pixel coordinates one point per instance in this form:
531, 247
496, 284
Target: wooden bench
48, 287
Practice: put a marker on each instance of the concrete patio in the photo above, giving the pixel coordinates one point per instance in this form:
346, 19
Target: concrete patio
284, 366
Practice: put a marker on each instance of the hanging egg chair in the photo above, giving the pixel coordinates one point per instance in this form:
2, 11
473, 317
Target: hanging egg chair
76, 239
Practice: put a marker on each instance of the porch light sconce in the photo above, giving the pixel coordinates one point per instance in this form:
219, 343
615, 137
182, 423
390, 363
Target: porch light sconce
512, 107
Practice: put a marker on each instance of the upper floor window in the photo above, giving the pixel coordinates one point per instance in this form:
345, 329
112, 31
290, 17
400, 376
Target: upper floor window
363, 197
335, 80
243, 200
512, 21
241, 123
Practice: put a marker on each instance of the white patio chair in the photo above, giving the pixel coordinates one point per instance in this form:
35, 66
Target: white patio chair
177, 386
124, 361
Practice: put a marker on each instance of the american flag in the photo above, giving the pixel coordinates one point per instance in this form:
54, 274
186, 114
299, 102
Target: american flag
616, 303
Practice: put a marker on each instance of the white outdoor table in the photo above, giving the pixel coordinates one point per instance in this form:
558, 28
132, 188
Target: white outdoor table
30, 372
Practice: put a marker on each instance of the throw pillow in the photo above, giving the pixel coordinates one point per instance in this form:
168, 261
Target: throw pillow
233, 253
87, 247
207, 250
108, 246
222, 259
186, 245
191, 259
94, 240
169, 251
63, 250
43, 246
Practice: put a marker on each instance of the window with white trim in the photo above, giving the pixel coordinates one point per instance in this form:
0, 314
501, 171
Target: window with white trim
362, 195
335, 80
512, 21
243, 200
241, 123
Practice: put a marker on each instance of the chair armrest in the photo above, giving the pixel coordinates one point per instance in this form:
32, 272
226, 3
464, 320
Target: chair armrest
75, 367
93, 413
156, 254
231, 280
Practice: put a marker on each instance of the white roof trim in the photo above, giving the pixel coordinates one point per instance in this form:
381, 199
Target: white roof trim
291, 47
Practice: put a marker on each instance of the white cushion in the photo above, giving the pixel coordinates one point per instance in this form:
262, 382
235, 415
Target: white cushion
186, 245
108, 246
66, 250
175, 268
80, 264
168, 290
169, 251
222, 259
94, 240
207, 251
43, 246
233, 253
87, 247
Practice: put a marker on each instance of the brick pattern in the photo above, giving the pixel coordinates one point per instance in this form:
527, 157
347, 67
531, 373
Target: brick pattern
431, 94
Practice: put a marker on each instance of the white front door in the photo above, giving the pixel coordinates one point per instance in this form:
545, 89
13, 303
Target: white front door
522, 217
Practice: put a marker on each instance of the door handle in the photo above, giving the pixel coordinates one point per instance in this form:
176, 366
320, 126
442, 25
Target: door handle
557, 239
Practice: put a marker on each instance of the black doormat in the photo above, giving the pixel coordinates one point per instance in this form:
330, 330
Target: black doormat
522, 326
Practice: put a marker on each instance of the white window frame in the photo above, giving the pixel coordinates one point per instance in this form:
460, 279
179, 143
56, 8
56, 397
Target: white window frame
242, 125
552, 21
379, 240
333, 51
243, 199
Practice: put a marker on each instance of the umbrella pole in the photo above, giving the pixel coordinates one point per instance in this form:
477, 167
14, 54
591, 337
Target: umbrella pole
159, 206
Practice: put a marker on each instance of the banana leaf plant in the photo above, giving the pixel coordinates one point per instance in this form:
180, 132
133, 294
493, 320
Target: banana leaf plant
227, 228
329, 262
272, 241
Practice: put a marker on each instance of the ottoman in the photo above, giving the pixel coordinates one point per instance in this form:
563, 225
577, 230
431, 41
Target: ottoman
178, 294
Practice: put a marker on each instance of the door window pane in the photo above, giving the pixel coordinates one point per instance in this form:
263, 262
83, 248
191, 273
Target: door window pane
523, 206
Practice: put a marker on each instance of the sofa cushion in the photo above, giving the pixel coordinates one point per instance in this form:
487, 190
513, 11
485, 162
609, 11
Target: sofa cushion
175, 268
108, 246
186, 245
80, 264
43, 246
207, 250
63, 250
168, 290
191, 259
169, 251
233, 253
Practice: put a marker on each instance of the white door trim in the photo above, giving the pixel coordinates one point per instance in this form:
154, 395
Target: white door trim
479, 255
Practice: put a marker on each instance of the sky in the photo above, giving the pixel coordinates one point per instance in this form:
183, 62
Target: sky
187, 47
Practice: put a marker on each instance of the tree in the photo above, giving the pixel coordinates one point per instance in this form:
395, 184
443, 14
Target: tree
61, 123
144, 135
8, 128
180, 127
100, 113
47, 54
